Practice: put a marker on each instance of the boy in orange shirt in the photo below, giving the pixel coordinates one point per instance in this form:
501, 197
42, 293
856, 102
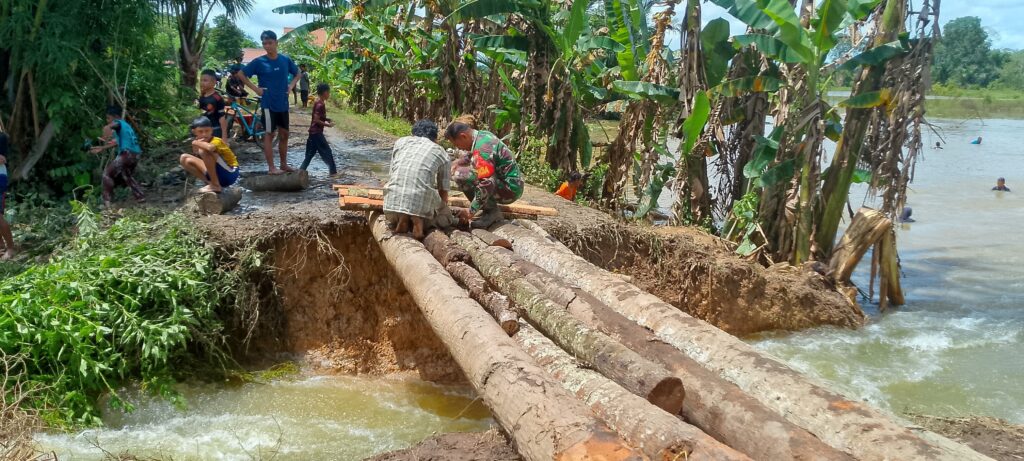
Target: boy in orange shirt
568, 189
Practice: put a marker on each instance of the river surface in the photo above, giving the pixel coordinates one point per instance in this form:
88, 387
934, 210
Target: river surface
322, 418
957, 347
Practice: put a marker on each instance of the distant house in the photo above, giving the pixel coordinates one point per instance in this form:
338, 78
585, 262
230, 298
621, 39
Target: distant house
317, 37
248, 54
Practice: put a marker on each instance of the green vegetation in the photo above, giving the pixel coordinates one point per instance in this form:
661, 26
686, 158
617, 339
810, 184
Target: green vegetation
227, 40
135, 301
966, 65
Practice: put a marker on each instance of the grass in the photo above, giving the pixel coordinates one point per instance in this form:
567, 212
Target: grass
369, 123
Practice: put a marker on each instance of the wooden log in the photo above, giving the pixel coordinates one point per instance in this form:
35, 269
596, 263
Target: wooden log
288, 182
713, 404
848, 425
543, 233
443, 249
218, 203
491, 239
610, 358
890, 290
545, 421
658, 434
494, 303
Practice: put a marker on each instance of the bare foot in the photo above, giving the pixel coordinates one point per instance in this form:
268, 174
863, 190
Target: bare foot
8, 255
275, 171
210, 188
287, 168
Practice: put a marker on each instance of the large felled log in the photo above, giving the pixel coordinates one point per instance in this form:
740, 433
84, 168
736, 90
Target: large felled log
848, 425
514, 209
218, 203
657, 433
496, 304
713, 404
545, 421
454, 258
637, 374
293, 181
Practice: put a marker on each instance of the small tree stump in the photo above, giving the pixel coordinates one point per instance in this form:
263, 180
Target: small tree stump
288, 182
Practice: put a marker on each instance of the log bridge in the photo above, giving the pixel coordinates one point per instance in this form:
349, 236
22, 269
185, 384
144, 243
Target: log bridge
576, 363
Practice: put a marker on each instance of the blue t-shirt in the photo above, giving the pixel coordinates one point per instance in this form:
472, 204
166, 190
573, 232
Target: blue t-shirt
126, 138
274, 76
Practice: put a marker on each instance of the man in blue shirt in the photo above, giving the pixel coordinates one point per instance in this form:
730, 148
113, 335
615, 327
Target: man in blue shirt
121, 170
273, 70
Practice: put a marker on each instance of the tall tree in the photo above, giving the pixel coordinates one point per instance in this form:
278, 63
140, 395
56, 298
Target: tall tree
964, 55
1011, 75
190, 17
227, 40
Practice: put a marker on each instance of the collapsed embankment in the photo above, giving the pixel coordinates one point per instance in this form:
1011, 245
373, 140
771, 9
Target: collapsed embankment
700, 274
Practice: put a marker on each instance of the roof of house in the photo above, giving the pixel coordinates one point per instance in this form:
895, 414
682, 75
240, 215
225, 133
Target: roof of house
248, 54
317, 37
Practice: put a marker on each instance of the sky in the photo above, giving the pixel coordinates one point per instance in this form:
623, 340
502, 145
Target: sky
1004, 19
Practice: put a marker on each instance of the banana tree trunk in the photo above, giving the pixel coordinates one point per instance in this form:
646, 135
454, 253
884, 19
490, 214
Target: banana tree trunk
836, 189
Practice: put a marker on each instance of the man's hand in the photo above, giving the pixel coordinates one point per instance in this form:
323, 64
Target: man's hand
463, 213
259, 91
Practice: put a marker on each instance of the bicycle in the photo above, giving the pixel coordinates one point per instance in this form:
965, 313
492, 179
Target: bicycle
251, 122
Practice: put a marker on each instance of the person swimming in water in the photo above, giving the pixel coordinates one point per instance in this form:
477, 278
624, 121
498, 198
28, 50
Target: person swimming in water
938, 145
1001, 185
905, 215
976, 140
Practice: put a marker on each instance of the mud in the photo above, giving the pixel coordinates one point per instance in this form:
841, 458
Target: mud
993, 437
490, 445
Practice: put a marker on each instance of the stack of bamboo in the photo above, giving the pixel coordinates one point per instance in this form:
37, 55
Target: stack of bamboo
576, 363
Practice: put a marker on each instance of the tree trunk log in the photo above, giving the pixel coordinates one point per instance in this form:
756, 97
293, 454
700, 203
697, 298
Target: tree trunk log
545, 421
491, 239
543, 233
494, 303
288, 182
219, 203
446, 252
866, 228
713, 404
637, 374
847, 425
660, 435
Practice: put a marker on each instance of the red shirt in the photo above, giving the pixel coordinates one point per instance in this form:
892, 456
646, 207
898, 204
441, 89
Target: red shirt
319, 113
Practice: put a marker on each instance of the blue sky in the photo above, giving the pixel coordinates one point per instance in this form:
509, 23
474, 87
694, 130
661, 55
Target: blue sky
1004, 19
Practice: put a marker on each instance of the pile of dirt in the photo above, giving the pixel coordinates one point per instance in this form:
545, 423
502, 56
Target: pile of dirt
992, 437
700, 274
491, 445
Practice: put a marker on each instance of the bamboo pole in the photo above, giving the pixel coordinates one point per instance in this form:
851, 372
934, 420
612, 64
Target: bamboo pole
637, 374
545, 422
847, 425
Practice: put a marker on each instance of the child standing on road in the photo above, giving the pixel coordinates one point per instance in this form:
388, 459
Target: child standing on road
317, 142
212, 103
5, 229
121, 170
210, 153
304, 85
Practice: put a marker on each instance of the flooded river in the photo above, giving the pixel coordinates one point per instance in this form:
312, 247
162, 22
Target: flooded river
327, 418
957, 347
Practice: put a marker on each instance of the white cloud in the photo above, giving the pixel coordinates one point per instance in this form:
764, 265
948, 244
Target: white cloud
263, 18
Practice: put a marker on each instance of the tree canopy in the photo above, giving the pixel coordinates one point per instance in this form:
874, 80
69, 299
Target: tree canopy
227, 40
964, 56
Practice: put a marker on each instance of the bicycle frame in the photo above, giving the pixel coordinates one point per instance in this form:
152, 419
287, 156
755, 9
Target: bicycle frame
251, 122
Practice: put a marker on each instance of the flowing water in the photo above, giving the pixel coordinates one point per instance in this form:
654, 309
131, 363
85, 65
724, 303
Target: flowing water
328, 418
957, 347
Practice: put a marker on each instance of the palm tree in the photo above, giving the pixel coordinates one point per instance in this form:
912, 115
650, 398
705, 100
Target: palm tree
190, 18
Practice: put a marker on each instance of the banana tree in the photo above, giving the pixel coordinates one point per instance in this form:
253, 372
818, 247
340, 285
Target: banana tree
190, 17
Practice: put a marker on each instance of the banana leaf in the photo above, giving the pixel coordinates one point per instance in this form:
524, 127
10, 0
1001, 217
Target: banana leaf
749, 13
868, 100
647, 90
755, 84
769, 46
717, 50
831, 14
875, 56
502, 43
304, 8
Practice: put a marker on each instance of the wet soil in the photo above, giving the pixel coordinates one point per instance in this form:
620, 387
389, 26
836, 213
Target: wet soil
491, 445
992, 437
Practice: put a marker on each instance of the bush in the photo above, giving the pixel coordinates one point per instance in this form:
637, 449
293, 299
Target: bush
136, 301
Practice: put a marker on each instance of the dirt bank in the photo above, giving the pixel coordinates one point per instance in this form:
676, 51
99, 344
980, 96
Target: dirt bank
491, 446
993, 437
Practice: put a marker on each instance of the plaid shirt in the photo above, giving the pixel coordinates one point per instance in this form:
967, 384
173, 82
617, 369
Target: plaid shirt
419, 169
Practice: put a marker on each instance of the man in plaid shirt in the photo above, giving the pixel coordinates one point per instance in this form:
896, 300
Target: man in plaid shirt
417, 189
